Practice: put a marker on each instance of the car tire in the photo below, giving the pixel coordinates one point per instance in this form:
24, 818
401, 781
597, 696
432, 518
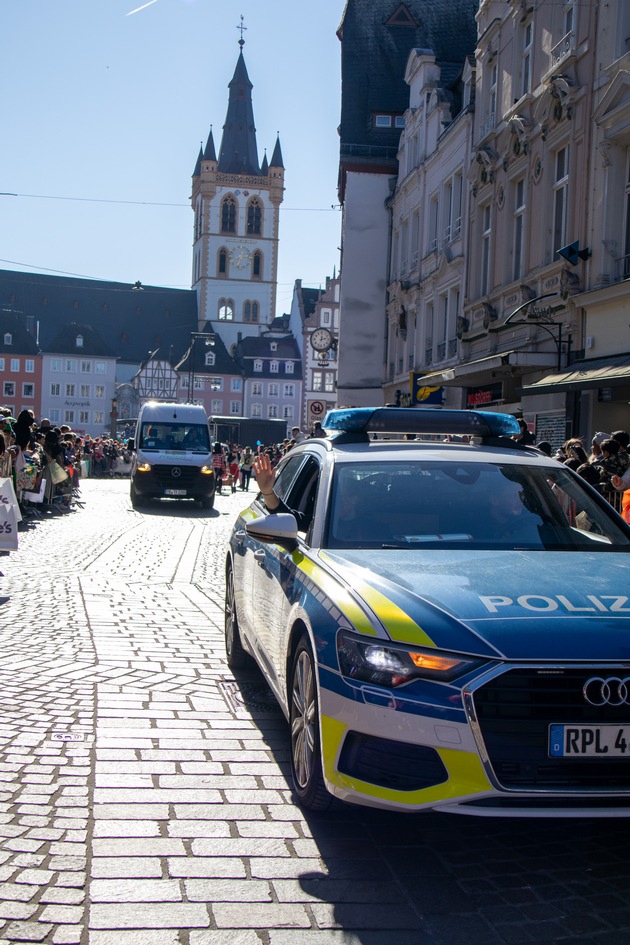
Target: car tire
207, 502
306, 755
137, 500
237, 657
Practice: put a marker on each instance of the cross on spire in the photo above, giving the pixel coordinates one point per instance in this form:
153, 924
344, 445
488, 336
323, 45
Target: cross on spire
242, 29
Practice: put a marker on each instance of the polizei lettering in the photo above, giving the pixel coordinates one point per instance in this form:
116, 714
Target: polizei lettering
540, 604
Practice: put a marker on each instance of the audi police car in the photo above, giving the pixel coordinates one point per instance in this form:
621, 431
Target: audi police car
444, 617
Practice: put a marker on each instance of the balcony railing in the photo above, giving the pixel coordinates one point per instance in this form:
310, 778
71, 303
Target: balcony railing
562, 49
452, 347
622, 268
487, 125
441, 351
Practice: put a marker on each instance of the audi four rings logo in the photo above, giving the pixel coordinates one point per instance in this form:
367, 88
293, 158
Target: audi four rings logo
609, 691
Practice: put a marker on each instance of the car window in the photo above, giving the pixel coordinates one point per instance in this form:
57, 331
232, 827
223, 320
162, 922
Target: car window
285, 475
303, 493
485, 505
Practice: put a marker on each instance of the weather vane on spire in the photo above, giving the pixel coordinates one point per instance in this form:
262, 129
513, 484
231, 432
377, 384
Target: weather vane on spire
242, 29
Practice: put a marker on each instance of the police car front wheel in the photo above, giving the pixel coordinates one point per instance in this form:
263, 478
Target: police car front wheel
306, 757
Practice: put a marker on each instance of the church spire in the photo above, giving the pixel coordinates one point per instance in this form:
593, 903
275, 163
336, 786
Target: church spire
239, 153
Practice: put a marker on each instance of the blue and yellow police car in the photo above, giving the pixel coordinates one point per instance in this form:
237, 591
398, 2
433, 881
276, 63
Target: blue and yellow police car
444, 617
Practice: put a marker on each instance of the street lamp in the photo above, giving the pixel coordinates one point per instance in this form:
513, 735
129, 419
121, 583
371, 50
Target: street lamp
542, 318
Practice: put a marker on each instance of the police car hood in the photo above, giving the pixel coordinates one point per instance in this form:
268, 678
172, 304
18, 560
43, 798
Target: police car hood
514, 605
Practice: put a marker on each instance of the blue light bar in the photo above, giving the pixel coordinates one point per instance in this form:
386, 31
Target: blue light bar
364, 420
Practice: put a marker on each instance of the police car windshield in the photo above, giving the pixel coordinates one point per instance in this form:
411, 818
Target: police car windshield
192, 437
468, 504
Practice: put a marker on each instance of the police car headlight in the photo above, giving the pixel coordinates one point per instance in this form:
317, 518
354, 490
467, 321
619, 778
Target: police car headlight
143, 467
386, 664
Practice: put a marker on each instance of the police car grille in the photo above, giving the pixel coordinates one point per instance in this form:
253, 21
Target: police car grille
514, 712
166, 480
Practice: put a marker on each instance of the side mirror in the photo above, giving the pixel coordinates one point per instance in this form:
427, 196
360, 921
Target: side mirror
131, 444
279, 529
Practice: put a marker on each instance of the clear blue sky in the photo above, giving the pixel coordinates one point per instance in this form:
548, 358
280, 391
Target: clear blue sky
103, 111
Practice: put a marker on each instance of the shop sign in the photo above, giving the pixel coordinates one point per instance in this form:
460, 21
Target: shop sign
478, 396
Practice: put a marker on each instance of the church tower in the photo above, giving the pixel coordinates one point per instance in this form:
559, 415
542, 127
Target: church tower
236, 202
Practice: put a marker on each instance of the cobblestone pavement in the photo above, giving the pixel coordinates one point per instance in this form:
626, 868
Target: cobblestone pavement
143, 791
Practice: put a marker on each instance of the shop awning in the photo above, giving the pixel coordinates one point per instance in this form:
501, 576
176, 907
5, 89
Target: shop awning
585, 375
474, 372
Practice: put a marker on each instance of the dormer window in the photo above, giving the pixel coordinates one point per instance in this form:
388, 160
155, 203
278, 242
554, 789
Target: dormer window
78, 341
258, 365
210, 359
274, 367
8, 338
273, 346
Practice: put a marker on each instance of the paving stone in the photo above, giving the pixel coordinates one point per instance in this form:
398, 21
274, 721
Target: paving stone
154, 916
135, 890
27, 932
260, 916
228, 890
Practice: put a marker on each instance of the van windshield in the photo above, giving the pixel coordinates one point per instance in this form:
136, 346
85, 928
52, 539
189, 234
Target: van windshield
190, 437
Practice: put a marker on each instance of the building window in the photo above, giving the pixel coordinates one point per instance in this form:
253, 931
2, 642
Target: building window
250, 311
254, 217
55, 390
236, 384
383, 121
434, 217
56, 365
100, 367
8, 338
85, 390
257, 389
486, 233
256, 410
99, 391
274, 390
255, 308
98, 417
223, 258
210, 359
216, 383
288, 390
28, 389
560, 199
15, 364
216, 406
329, 382
272, 412
86, 367
228, 214
519, 221
317, 381
1, 364
288, 367
235, 406
274, 367
29, 366
84, 416
78, 341
68, 416
70, 390
257, 265
258, 365
226, 310
71, 366
287, 413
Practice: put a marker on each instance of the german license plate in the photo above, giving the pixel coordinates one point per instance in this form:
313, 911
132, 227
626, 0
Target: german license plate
589, 741
174, 492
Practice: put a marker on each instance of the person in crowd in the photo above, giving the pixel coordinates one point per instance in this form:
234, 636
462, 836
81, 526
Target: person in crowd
596, 448
545, 447
609, 464
265, 477
622, 437
317, 430
233, 469
219, 465
247, 462
297, 435
525, 437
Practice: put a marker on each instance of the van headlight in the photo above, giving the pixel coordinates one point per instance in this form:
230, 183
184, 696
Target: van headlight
207, 471
143, 467
390, 664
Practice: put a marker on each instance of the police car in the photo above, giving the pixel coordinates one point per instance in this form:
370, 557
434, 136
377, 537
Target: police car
444, 617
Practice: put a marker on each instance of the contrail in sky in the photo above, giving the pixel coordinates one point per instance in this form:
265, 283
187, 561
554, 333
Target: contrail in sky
137, 10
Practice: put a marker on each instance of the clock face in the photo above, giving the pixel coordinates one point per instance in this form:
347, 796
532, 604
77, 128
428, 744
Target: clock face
240, 257
321, 339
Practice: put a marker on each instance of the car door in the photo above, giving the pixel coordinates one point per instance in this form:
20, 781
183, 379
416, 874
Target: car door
274, 584
249, 552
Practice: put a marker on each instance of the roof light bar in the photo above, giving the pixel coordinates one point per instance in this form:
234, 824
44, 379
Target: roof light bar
420, 420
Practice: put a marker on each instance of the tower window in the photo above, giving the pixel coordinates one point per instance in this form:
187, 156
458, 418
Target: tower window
226, 310
254, 217
257, 265
223, 262
228, 214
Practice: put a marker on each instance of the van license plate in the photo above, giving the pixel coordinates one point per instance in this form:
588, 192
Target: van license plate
174, 492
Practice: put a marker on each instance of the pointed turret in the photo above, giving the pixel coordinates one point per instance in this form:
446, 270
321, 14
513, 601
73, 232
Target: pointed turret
239, 154
264, 167
276, 157
210, 154
197, 170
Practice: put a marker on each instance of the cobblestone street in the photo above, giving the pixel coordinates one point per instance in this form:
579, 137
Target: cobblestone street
143, 790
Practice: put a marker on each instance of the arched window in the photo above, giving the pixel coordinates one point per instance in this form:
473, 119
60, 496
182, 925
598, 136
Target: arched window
247, 311
254, 217
255, 311
228, 214
226, 310
223, 262
210, 359
257, 265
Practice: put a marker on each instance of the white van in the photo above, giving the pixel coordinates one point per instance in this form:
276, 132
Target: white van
171, 454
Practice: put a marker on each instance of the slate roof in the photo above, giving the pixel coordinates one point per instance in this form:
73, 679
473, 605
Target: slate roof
249, 349
374, 52
224, 363
238, 153
22, 342
65, 342
131, 323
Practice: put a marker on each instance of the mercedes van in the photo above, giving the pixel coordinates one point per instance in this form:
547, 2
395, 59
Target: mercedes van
171, 454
